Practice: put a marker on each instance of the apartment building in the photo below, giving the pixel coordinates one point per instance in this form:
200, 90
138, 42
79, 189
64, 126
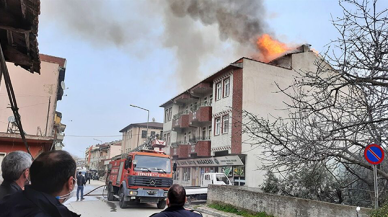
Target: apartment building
135, 134
203, 125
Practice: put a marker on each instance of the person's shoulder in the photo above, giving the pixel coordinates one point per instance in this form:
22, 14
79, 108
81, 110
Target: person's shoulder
160, 214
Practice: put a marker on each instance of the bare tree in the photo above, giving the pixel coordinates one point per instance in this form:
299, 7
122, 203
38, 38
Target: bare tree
335, 111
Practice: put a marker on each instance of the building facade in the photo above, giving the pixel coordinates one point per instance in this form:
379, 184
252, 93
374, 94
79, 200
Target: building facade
135, 134
37, 97
97, 157
203, 125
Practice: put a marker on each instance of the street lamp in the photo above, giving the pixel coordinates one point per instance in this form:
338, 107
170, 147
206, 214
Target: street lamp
148, 112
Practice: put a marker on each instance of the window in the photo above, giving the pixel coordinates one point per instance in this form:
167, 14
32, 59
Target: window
218, 91
184, 139
186, 174
189, 136
217, 128
210, 132
205, 101
207, 177
176, 175
152, 133
203, 133
166, 116
226, 87
130, 134
144, 134
210, 99
168, 139
169, 114
225, 124
195, 107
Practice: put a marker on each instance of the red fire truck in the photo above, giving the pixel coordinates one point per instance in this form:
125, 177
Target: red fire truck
143, 176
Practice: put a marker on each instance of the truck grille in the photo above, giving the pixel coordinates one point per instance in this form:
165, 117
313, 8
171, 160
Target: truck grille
150, 181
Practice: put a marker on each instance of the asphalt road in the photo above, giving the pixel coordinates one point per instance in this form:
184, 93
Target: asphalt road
97, 205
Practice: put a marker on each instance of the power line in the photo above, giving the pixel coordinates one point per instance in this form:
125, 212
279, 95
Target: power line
92, 136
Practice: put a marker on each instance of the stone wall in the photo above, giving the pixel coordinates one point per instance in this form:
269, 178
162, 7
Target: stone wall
252, 199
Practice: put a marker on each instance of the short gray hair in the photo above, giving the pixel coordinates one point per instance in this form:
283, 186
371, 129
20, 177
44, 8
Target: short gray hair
14, 164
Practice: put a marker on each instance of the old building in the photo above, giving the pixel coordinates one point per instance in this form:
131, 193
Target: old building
203, 124
37, 97
97, 157
136, 134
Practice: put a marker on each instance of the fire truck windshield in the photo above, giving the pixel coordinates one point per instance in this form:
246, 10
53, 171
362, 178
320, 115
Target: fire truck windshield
152, 164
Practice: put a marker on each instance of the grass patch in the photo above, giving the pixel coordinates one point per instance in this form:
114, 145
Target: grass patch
232, 209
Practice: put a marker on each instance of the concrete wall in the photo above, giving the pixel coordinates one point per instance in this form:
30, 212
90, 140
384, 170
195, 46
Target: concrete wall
32, 92
261, 97
252, 199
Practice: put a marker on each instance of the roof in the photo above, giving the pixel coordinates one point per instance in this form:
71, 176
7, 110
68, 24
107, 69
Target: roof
52, 59
151, 125
238, 64
19, 31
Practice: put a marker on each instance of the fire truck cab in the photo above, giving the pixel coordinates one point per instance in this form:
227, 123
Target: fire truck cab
143, 176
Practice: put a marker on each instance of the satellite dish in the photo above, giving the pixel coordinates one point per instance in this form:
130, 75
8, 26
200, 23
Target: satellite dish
11, 119
63, 85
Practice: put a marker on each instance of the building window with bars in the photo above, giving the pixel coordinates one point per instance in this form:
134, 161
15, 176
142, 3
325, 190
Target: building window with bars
217, 129
225, 124
226, 87
218, 91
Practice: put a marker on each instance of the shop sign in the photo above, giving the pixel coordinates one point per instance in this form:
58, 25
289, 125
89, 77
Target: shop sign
213, 161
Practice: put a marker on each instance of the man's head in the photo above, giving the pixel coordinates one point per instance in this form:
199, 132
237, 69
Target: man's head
53, 173
176, 196
15, 167
79, 173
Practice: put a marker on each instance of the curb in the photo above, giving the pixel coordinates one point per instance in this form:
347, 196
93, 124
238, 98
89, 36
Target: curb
214, 212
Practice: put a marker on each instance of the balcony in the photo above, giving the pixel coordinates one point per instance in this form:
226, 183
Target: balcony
201, 115
202, 89
181, 121
183, 98
201, 148
183, 151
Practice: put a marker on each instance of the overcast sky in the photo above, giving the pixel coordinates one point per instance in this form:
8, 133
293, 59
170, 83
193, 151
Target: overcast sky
137, 52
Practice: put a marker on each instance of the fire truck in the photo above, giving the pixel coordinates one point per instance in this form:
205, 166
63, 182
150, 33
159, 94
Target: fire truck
144, 175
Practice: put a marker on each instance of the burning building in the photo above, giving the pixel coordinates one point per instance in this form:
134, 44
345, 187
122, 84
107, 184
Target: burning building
203, 126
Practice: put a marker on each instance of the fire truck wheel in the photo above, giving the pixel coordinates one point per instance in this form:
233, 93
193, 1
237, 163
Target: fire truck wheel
161, 204
122, 203
110, 193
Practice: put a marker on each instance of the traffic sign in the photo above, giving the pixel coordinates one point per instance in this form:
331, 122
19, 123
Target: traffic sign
374, 154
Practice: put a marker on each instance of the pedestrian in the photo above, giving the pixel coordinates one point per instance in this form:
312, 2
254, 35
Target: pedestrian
52, 183
15, 171
80, 185
176, 199
88, 176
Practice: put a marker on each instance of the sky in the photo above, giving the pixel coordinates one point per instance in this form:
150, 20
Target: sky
123, 52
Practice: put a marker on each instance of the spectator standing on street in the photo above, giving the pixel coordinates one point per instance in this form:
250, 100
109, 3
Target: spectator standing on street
176, 199
15, 168
52, 183
80, 182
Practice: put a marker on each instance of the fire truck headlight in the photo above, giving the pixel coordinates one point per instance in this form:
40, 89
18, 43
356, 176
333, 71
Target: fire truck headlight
133, 193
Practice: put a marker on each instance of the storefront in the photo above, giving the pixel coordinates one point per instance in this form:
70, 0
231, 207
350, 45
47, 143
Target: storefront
190, 171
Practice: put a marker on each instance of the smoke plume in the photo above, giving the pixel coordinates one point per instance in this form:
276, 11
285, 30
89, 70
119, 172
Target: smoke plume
237, 21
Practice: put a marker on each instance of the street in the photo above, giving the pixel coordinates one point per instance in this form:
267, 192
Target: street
97, 205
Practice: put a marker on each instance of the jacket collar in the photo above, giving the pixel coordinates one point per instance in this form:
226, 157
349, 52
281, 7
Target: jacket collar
47, 203
13, 185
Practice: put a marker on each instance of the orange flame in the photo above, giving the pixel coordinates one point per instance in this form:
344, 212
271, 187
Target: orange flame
270, 48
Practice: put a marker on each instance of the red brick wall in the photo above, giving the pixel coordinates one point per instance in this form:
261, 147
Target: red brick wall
237, 111
203, 148
184, 121
183, 151
204, 113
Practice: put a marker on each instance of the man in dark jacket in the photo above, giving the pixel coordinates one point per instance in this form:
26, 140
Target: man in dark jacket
15, 171
52, 183
80, 183
176, 199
